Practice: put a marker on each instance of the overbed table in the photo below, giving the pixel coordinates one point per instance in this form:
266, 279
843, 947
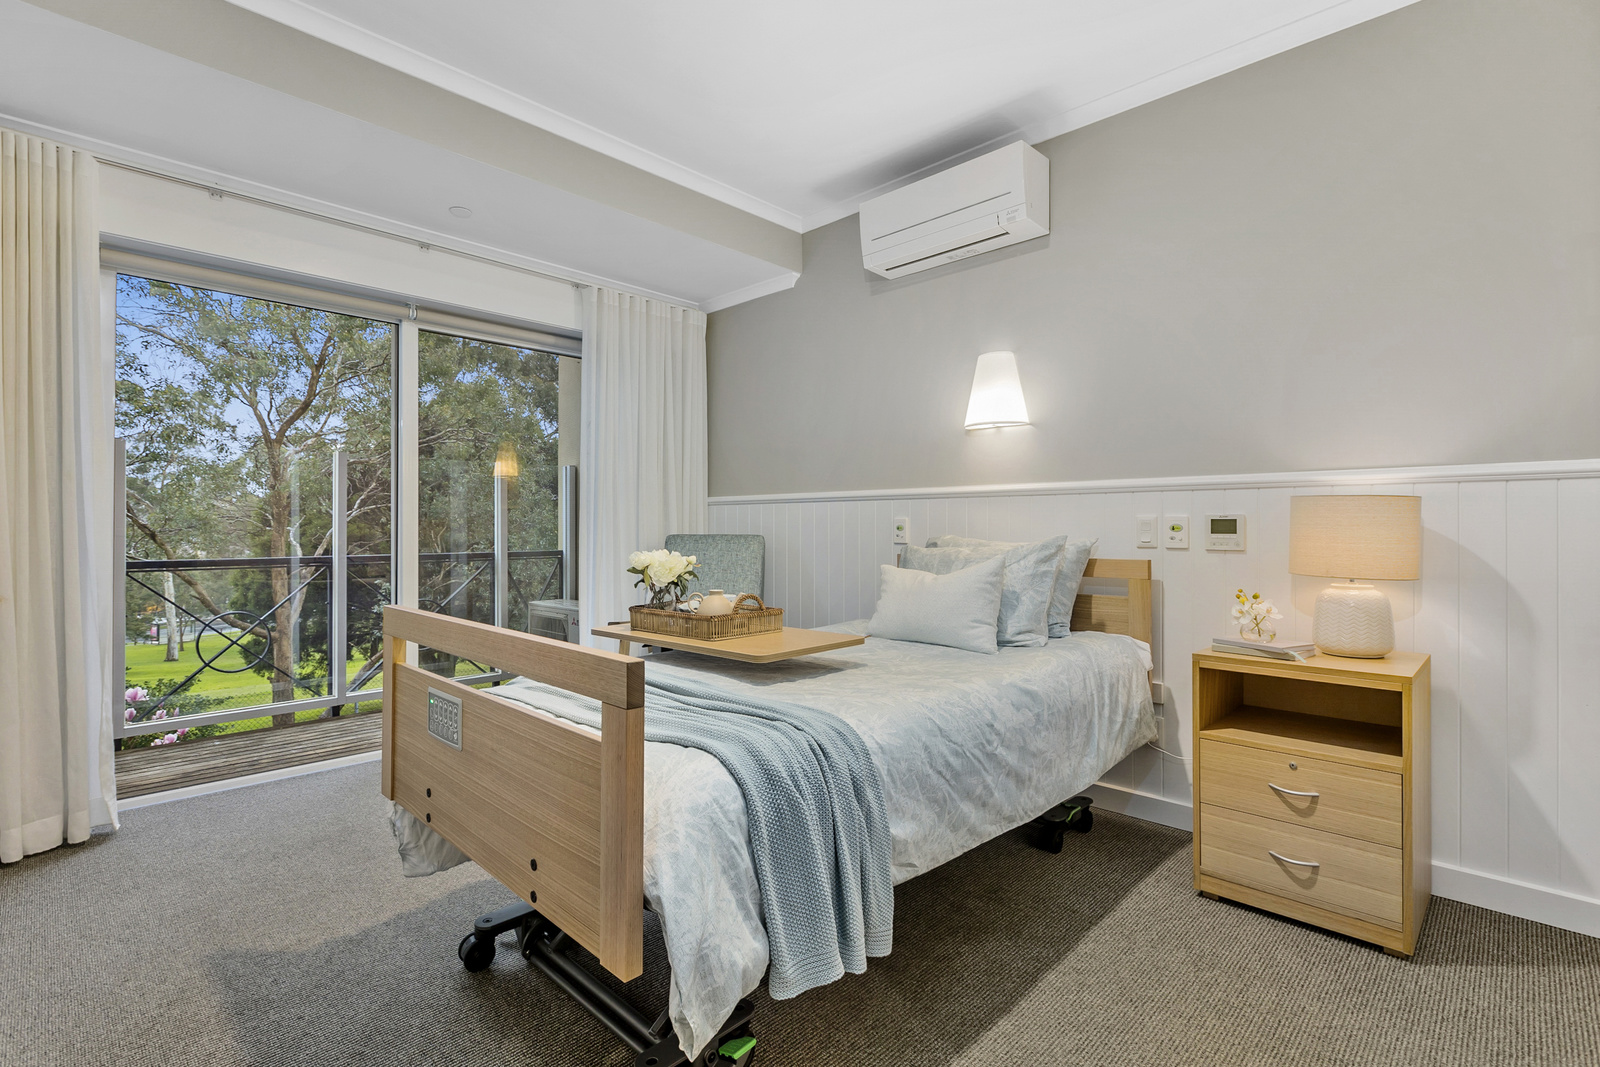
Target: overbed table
787, 643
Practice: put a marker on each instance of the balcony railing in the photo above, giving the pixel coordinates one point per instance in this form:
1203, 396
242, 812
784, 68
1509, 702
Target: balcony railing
462, 576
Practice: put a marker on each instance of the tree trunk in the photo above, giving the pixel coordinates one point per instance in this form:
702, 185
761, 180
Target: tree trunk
170, 593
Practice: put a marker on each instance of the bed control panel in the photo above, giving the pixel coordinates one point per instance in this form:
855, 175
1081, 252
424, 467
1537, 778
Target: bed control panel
444, 717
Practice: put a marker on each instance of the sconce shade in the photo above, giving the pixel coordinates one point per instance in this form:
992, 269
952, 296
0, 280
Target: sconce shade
505, 461
1377, 538
996, 393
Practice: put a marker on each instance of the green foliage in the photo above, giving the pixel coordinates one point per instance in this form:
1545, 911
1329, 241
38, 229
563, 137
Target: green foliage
483, 404
233, 408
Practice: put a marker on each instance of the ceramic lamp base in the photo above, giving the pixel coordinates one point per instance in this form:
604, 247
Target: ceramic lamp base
1353, 619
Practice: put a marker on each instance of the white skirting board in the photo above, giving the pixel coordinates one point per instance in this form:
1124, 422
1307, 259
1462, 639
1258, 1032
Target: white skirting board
1146, 806
1549, 906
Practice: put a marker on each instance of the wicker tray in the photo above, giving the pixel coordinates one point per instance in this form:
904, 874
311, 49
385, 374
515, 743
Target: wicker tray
747, 619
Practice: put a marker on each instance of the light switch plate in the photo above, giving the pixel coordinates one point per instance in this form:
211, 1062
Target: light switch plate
1144, 531
902, 530
1175, 531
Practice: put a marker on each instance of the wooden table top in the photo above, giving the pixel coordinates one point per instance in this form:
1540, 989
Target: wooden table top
787, 643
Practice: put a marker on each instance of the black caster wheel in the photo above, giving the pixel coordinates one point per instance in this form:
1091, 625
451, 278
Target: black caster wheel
476, 954
1083, 823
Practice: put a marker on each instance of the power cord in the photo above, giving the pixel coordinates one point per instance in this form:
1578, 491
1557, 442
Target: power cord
1164, 752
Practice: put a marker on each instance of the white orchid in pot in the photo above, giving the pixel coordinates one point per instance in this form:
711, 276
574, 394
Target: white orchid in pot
666, 574
1255, 617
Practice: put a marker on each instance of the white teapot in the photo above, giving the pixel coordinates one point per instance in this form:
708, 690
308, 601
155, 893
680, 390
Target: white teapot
714, 603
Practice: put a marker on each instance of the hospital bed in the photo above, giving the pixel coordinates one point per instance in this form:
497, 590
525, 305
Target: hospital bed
968, 746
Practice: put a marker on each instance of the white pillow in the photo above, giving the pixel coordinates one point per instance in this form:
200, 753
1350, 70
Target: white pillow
1027, 581
1074, 558
959, 609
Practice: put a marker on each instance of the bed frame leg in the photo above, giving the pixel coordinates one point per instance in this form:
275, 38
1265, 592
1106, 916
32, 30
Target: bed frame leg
544, 945
1050, 829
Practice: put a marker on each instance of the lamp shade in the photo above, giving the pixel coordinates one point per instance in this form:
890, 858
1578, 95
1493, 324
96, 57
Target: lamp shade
996, 393
1368, 537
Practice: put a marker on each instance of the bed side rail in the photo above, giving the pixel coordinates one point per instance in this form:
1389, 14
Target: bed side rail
553, 812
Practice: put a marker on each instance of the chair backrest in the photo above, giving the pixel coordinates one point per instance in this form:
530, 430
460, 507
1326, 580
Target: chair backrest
734, 563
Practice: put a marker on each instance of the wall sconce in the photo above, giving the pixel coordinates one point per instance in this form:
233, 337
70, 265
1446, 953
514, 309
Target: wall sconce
996, 393
505, 460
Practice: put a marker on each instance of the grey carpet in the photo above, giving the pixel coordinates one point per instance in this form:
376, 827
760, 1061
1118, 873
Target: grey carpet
270, 925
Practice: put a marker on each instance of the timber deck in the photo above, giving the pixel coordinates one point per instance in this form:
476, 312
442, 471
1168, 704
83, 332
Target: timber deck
159, 768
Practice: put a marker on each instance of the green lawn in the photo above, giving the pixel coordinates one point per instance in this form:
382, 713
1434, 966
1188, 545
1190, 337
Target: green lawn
147, 664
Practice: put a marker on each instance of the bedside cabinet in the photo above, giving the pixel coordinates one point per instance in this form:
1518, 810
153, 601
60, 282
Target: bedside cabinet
1312, 792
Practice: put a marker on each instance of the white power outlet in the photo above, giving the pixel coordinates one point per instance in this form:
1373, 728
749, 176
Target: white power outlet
1144, 531
1175, 531
902, 530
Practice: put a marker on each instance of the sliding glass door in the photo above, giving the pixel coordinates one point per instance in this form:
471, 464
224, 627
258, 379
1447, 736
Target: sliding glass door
256, 449
487, 506
291, 465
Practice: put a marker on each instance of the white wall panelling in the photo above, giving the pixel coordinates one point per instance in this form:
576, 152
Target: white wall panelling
1508, 607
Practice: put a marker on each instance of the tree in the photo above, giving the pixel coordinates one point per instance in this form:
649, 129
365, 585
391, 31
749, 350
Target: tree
244, 390
233, 408
478, 402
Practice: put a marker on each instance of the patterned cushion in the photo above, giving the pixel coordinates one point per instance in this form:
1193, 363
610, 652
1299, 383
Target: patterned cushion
1029, 577
734, 563
1074, 558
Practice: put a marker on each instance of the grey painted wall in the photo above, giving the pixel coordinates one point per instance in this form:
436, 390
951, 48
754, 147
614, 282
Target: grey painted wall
1379, 249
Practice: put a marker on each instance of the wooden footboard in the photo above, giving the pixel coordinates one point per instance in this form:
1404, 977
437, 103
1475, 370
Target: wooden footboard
548, 808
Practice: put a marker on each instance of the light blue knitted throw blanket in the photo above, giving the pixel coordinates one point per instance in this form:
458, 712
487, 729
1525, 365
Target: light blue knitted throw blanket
819, 828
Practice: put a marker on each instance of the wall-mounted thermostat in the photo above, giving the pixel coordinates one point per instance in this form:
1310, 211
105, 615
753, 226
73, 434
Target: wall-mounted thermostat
1175, 531
1225, 533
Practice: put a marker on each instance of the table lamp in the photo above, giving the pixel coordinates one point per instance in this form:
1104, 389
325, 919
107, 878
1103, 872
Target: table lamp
1376, 538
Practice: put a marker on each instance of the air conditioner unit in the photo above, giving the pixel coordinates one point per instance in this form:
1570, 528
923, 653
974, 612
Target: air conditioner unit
556, 619
998, 199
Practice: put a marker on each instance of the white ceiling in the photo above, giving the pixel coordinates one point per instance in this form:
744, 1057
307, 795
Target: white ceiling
792, 112
798, 111
141, 105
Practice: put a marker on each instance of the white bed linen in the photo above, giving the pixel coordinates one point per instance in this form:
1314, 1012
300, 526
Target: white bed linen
968, 745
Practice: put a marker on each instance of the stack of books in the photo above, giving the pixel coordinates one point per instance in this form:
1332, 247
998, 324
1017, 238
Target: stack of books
1276, 650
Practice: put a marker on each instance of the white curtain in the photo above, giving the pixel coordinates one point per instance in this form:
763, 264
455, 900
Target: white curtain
642, 464
55, 499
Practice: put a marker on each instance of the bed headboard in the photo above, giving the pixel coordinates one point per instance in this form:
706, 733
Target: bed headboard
1129, 613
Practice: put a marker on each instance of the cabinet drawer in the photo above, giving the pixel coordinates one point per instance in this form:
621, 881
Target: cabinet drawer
1351, 877
1353, 801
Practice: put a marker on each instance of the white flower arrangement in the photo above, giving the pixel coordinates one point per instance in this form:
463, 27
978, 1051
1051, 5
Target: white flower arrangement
1254, 614
666, 574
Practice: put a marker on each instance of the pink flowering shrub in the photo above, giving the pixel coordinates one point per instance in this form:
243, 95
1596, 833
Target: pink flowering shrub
142, 708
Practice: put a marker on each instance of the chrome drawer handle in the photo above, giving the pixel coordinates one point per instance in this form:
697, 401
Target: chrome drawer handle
1297, 863
1291, 792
